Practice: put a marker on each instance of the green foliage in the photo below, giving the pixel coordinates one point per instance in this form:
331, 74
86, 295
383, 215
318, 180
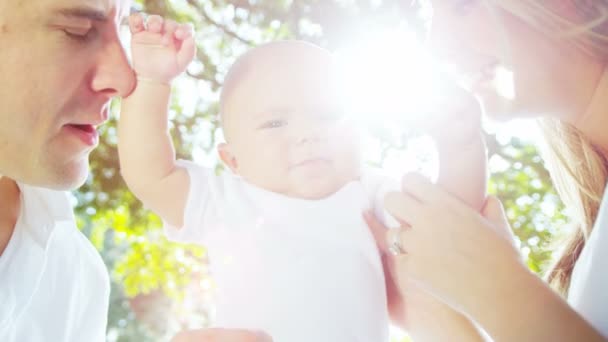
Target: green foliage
532, 206
145, 267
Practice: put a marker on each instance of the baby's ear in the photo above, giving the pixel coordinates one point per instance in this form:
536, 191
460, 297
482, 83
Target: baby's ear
228, 157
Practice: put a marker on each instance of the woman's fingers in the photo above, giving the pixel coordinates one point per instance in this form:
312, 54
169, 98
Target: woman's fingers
389, 240
403, 206
420, 188
221, 335
391, 266
428, 193
378, 230
494, 212
398, 242
394, 296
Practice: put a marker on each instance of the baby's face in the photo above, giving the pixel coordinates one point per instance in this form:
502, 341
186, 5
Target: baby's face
287, 132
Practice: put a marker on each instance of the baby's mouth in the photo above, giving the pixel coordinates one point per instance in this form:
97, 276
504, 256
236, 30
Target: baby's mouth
310, 162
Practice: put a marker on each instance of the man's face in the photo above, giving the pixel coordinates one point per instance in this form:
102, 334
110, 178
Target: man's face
61, 62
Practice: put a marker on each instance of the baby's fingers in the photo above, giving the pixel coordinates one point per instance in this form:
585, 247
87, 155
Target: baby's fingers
169, 31
136, 23
187, 50
184, 31
155, 23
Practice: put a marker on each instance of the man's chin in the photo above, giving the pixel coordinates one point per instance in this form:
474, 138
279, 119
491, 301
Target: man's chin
69, 178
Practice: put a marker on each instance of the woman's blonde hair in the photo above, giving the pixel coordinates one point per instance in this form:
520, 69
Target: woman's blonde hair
578, 168
579, 172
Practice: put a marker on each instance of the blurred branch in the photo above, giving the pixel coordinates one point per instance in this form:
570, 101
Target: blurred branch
219, 25
201, 76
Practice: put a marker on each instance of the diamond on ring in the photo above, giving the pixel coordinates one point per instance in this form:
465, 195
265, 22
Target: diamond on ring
395, 247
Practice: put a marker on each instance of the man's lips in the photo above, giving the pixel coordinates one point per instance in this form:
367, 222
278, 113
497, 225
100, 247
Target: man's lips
84, 132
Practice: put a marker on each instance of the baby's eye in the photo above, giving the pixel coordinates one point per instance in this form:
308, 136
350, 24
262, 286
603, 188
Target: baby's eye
273, 124
331, 115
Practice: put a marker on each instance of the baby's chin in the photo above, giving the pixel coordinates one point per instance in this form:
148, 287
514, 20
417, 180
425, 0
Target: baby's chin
317, 189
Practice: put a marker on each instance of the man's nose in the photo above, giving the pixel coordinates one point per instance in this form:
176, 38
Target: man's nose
113, 75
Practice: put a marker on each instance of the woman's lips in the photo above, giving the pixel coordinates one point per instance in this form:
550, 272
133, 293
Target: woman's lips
85, 133
474, 80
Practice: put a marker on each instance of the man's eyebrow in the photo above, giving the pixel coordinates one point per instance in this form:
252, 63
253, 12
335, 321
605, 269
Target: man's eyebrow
84, 13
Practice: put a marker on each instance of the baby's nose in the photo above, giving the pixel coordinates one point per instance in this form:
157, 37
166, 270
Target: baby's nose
310, 131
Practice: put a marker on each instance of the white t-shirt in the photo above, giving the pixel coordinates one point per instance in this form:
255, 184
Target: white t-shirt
588, 293
300, 270
54, 285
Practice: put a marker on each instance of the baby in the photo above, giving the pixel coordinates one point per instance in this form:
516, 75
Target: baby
288, 246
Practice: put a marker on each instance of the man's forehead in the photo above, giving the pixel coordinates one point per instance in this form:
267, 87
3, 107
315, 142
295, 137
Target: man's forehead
112, 10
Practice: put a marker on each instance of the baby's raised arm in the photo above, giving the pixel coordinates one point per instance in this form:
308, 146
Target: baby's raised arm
161, 50
461, 148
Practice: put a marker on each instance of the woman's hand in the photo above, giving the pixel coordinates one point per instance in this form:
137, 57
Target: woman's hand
451, 251
468, 261
422, 315
221, 335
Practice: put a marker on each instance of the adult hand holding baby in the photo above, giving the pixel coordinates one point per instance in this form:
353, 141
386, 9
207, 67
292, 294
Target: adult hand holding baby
221, 335
447, 251
447, 248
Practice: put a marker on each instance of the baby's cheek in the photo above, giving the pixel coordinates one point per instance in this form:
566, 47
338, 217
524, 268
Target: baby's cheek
346, 135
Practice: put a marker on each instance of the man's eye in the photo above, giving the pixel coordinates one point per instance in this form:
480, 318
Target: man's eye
273, 124
80, 34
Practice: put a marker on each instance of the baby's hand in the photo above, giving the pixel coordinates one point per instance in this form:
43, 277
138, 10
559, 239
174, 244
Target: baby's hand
455, 117
162, 49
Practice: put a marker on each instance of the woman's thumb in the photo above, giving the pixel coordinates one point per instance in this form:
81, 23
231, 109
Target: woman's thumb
494, 212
